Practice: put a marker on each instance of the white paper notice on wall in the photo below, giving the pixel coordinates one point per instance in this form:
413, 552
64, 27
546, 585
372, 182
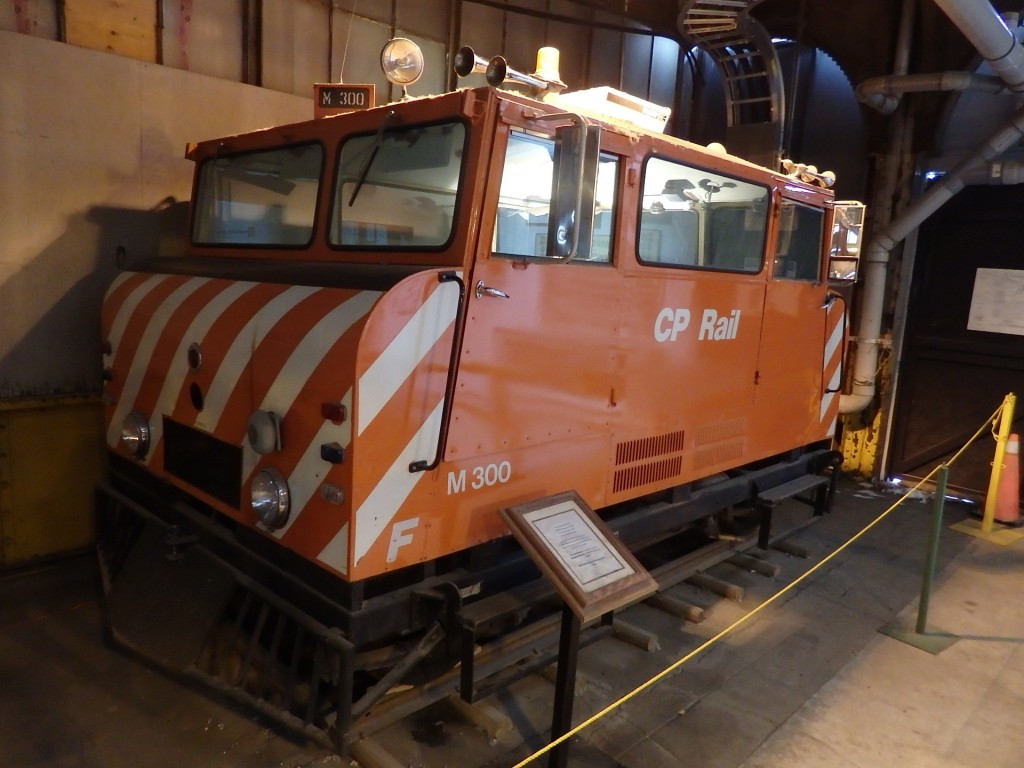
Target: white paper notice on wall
997, 304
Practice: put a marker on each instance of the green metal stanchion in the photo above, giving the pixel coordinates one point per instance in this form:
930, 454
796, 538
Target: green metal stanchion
933, 642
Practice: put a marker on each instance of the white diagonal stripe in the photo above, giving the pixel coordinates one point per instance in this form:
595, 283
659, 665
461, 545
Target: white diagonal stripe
176, 371
311, 469
834, 341
140, 362
241, 349
396, 363
124, 312
832, 347
384, 501
308, 354
335, 554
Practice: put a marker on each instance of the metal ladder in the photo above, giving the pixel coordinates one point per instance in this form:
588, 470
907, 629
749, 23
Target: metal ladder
745, 56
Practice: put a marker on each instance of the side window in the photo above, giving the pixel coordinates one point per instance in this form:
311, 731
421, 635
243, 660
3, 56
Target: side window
524, 201
798, 256
693, 218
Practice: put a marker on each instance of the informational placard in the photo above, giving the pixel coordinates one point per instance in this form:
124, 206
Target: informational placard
997, 303
593, 571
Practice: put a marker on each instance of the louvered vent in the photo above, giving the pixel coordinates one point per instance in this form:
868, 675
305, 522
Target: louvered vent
709, 434
645, 448
647, 460
719, 442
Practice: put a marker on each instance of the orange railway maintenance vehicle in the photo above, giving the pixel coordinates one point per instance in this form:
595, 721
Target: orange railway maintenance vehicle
389, 325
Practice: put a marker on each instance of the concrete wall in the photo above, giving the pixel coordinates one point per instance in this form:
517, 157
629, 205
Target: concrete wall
91, 149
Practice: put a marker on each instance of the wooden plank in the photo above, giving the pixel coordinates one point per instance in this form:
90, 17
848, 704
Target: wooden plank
124, 27
493, 721
370, 754
675, 606
791, 548
748, 563
632, 634
711, 584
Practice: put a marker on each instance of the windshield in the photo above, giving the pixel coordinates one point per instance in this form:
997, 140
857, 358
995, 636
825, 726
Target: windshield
397, 188
259, 198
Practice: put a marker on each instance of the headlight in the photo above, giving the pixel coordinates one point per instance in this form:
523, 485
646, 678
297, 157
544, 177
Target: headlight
402, 61
270, 498
264, 432
135, 434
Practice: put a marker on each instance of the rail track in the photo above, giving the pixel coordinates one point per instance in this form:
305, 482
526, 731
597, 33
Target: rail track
700, 592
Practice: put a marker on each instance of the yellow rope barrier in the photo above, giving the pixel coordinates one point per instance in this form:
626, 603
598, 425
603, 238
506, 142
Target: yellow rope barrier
754, 612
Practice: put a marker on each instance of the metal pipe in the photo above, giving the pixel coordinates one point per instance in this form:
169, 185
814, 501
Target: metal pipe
995, 174
987, 31
901, 61
876, 259
883, 93
994, 40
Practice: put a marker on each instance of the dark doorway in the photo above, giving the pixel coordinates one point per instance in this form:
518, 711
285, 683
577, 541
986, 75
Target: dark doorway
953, 378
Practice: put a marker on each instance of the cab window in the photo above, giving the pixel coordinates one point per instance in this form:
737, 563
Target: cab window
798, 255
524, 201
692, 218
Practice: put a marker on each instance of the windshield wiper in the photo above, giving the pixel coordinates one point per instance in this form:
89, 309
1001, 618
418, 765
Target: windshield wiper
377, 140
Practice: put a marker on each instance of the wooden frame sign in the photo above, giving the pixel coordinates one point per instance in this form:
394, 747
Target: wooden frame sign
593, 571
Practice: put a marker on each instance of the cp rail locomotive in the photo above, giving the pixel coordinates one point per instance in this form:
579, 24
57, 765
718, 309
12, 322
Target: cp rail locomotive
390, 324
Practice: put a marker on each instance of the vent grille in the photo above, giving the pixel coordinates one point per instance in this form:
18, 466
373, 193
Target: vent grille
644, 474
647, 460
648, 447
719, 442
716, 454
708, 434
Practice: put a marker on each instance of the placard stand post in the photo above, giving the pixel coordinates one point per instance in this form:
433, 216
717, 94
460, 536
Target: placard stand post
565, 685
592, 570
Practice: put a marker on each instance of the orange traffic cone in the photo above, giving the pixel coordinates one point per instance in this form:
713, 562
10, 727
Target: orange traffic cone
1008, 494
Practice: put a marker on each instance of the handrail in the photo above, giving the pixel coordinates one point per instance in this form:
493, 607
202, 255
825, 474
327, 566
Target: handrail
421, 465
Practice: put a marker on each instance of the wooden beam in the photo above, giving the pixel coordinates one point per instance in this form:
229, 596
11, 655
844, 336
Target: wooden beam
125, 27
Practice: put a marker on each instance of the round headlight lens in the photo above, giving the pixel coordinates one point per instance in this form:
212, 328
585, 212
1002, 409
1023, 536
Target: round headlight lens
402, 61
270, 498
135, 434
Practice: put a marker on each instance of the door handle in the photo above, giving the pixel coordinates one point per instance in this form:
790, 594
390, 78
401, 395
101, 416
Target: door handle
484, 290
